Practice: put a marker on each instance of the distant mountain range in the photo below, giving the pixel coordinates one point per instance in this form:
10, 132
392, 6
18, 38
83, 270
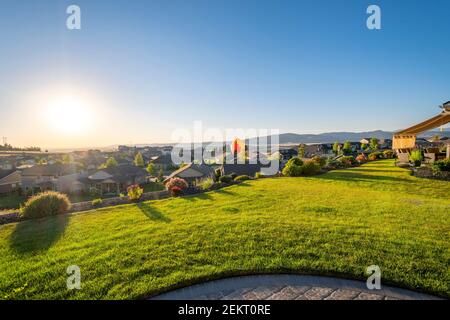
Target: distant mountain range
295, 138
331, 137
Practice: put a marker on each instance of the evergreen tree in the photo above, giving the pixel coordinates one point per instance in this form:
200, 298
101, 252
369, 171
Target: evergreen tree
139, 160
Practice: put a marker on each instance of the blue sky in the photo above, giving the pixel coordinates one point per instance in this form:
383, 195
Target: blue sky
149, 67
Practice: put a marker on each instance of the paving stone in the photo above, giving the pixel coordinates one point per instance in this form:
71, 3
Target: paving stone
318, 293
369, 296
289, 293
236, 295
281, 287
261, 293
343, 294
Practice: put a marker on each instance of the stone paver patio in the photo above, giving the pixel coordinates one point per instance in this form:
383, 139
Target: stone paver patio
289, 287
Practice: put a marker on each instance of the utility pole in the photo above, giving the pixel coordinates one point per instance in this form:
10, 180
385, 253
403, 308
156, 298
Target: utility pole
5, 140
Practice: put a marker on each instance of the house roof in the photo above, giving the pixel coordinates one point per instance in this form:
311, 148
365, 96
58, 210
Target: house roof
241, 169
163, 159
202, 169
5, 173
122, 173
56, 169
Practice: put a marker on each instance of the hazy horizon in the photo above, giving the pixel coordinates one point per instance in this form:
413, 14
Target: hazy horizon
137, 71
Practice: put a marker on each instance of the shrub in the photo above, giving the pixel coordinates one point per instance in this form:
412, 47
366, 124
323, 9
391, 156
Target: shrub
375, 155
442, 165
331, 163
293, 167
416, 157
310, 167
388, 154
321, 161
96, 202
134, 192
233, 176
259, 175
176, 191
178, 183
347, 161
225, 179
205, 184
242, 178
361, 158
45, 204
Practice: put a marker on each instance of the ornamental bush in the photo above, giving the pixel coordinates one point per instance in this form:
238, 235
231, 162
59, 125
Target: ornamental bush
442, 165
134, 192
97, 202
293, 167
347, 161
310, 167
375, 155
45, 204
205, 184
176, 186
361, 158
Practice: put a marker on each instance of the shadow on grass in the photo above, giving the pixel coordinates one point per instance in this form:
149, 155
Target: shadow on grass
152, 213
38, 235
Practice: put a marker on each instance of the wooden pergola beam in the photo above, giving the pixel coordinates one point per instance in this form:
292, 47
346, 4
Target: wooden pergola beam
406, 139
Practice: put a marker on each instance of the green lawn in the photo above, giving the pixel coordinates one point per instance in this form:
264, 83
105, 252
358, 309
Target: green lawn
337, 223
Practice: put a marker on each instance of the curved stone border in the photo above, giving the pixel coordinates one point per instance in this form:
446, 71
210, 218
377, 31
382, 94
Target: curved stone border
289, 287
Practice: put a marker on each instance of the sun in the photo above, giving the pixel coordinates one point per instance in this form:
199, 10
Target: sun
69, 115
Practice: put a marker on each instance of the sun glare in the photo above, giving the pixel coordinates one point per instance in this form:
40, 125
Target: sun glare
69, 115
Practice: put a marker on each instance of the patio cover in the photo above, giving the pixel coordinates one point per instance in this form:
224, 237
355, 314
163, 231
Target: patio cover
406, 139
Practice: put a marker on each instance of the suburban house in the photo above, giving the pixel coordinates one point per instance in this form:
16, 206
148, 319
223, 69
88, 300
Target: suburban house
9, 181
193, 172
112, 180
45, 177
163, 162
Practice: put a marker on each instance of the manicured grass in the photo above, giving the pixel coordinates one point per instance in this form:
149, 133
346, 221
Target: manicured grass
337, 223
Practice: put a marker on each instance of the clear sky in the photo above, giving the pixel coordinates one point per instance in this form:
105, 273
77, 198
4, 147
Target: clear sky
144, 68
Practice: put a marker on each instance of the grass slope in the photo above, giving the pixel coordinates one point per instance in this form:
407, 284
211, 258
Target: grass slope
337, 223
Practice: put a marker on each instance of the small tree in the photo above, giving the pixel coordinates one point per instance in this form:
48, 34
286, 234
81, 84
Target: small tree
374, 144
363, 146
151, 169
336, 148
110, 163
301, 150
347, 148
139, 160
